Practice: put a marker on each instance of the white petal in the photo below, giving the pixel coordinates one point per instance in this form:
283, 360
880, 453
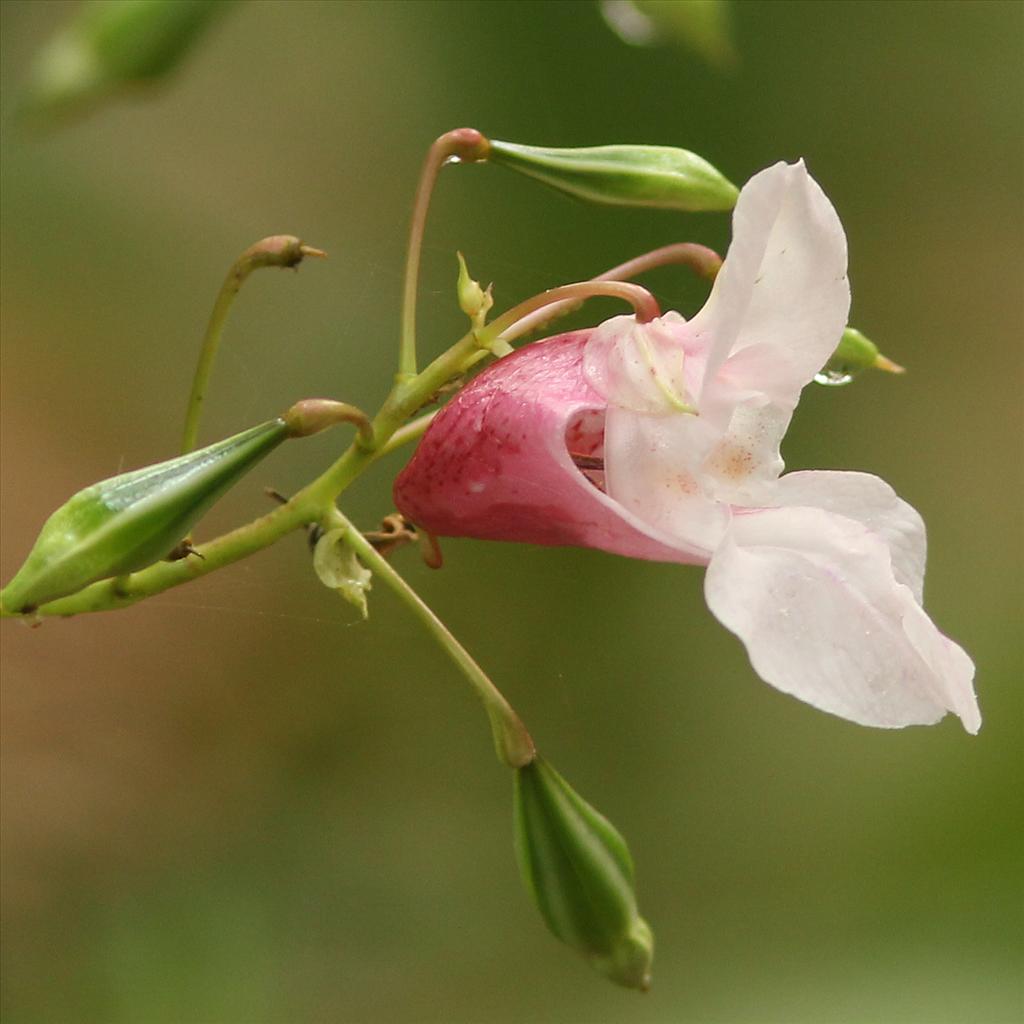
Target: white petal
869, 500
643, 367
813, 597
652, 470
745, 462
782, 288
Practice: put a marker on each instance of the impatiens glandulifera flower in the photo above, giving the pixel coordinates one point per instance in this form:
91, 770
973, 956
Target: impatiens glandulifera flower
661, 441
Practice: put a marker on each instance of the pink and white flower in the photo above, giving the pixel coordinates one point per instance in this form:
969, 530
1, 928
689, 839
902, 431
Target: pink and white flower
661, 441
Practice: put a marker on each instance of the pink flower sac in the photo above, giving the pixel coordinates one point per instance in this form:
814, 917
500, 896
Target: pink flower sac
497, 462
661, 441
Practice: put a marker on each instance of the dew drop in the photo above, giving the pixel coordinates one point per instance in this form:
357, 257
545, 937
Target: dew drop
833, 378
452, 160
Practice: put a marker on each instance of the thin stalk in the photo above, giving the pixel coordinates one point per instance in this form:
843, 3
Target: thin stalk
703, 261
507, 325
410, 432
463, 144
275, 251
511, 740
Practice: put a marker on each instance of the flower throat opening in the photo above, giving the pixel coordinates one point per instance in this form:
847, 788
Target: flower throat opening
584, 441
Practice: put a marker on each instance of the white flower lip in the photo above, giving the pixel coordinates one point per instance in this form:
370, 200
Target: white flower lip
820, 574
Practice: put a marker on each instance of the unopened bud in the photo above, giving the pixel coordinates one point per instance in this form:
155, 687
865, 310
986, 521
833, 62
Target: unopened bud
853, 354
580, 873
130, 521
657, 176
275, 251
474, 301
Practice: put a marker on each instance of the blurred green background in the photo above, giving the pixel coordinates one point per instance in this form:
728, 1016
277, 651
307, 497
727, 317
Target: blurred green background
234, 805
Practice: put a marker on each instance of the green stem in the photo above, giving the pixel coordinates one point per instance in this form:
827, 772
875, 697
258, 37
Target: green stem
463, 144
275, 251
410, 432
511, 740
307, 506
389, 429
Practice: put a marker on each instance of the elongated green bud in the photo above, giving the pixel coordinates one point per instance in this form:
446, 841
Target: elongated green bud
658, 176
109, 44
580, 874
130, 521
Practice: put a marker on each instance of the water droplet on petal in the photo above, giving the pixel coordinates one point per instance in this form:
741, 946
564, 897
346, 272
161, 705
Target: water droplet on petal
452, 160
833, 378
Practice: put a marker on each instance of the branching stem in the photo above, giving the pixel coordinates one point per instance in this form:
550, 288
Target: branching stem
511, 740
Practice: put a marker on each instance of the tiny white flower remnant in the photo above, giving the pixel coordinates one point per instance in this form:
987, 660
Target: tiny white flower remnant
661, 441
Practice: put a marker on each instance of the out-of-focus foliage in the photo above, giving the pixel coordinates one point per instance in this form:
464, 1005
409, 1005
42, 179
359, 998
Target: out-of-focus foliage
109, 45
230, 805
704, 27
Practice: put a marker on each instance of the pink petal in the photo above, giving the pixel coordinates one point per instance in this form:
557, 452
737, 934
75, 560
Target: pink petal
495, 464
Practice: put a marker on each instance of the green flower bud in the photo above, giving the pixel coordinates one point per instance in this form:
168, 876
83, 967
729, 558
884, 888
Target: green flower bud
338, 568
580, 874
130, 521
853, 354
474, 301
658, 176
114, 43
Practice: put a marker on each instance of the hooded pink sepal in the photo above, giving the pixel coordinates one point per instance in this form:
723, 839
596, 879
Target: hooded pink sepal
495, 464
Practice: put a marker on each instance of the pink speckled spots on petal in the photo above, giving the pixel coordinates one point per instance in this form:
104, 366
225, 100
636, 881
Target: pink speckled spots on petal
496, 463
